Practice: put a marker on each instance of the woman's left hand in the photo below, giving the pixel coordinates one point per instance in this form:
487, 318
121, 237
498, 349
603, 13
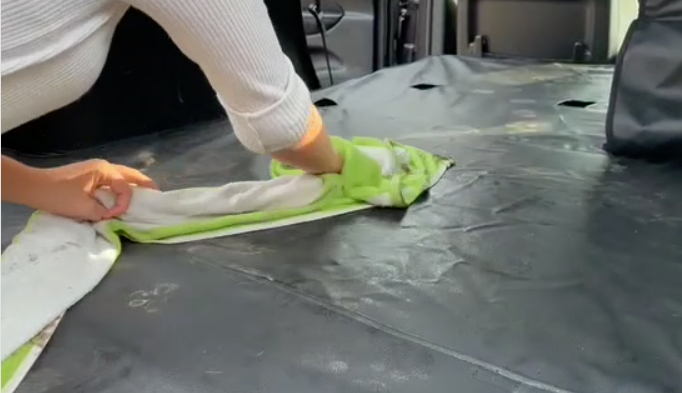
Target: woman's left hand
69, 190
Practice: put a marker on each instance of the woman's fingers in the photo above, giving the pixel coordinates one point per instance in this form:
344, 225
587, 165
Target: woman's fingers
118, 179
124, 194
133, 176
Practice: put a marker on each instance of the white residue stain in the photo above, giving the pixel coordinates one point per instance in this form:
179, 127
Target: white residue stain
337, 367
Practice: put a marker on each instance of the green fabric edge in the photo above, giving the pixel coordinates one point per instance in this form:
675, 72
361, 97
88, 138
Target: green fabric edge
12, 363
336, 195
359, 171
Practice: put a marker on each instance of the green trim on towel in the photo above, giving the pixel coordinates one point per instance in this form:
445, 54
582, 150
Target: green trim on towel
24, 357
12, 363
360, 185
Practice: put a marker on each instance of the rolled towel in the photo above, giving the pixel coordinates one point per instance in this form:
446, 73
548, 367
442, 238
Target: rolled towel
38, 269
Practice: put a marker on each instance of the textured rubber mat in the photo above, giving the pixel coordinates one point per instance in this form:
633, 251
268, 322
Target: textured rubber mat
538, 264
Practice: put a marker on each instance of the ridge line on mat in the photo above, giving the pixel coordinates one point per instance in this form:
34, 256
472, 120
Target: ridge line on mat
365, 320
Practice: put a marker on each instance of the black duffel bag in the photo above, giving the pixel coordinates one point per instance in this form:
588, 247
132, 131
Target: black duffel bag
645, 112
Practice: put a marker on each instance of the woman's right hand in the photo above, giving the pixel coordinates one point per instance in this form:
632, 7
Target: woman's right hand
314, 154
316, 158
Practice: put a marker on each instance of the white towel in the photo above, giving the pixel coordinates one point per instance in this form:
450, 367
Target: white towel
56, 261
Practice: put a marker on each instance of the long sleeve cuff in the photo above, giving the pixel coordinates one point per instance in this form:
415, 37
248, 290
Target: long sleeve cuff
279, 126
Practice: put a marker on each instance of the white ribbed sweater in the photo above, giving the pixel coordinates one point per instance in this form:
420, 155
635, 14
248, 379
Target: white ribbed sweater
54, 50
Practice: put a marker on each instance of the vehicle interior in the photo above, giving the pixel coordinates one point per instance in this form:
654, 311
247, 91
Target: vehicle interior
548, 259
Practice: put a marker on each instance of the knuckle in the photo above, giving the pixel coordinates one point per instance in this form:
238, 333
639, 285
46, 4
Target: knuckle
98, 163
104, 166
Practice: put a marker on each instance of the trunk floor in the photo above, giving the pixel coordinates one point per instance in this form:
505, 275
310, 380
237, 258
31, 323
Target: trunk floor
538, 263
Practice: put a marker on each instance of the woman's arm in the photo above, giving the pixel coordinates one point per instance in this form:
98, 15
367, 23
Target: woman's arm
234, 43
20, 183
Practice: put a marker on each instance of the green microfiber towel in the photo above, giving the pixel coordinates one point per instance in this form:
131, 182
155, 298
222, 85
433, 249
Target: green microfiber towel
376, 172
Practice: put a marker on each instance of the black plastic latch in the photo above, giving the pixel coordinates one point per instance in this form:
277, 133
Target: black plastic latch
581, 53
479, 46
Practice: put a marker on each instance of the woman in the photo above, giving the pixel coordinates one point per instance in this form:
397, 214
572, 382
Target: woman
54, 50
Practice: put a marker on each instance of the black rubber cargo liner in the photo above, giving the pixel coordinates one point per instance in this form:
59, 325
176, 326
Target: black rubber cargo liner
538, 264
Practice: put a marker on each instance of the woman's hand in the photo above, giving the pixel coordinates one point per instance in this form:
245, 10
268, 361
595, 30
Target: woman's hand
315, 154
69, 190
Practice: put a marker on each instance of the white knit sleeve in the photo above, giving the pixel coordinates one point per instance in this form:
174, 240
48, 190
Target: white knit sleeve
234, 43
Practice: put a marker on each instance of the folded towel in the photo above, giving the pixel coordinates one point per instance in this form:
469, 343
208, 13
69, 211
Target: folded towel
38, 269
